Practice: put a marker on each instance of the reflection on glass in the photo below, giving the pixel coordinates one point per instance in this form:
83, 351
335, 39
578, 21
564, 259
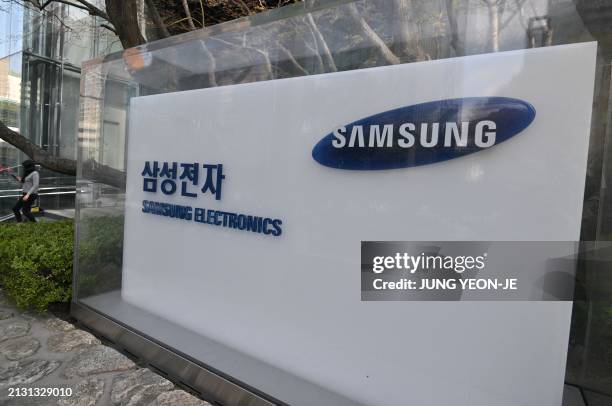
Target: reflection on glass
321, 37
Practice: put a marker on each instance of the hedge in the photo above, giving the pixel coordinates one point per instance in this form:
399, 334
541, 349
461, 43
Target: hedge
36, 263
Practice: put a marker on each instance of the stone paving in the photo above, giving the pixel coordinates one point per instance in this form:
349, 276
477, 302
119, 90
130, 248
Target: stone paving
43, 351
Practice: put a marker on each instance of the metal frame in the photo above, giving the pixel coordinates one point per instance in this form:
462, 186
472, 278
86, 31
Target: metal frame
178, 368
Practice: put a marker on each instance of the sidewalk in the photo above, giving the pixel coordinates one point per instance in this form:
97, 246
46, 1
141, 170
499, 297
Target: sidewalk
43, 351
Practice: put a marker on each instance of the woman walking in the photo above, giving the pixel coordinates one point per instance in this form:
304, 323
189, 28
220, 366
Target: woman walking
30, 181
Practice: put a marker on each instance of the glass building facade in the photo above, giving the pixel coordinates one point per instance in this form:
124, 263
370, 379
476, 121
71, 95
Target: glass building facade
40, 65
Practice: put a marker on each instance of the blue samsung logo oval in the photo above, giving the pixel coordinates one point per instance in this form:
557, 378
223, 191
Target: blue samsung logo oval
424, 133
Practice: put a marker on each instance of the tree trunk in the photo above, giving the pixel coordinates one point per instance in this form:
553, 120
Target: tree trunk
406, 37
188, 14
157, 20
493, 25
36, 153
456, 42
372, 36
101, 173
123, 14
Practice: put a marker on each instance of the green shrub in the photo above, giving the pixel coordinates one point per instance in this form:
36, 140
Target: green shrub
36, 263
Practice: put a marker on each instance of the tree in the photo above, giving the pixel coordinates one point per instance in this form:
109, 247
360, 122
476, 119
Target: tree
123, 17
359, 31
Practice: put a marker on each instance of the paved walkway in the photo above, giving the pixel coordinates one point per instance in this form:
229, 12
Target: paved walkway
42, 351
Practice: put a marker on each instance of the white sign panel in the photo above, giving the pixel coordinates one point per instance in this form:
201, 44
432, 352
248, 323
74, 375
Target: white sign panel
261, 250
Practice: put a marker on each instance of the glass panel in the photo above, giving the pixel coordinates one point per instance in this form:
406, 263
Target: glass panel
314, 38
49, 108
42, 33
105, 41
44, 98
10, 114
69, 113
10, 90
11, 18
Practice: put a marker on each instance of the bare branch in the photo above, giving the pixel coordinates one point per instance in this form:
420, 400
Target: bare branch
188, 14
454, 28
93, 10
81, 4
63, 2
177, 21
314, 48
159, 24
373, 37
244, 6
108, 27
292, 59
320, 40
59, 20
517, 10
203, 14
34, 3
403, 38
212, 65
264, 54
